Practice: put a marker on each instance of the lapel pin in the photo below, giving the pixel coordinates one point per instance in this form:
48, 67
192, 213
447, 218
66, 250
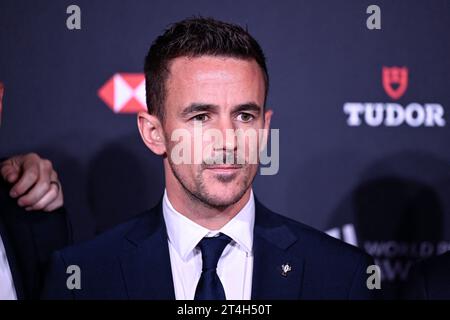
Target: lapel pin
285, 268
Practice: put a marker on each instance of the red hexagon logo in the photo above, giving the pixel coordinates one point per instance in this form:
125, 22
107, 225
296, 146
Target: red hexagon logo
124, 93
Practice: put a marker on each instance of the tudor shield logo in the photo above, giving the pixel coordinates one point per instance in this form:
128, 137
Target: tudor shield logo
395, 81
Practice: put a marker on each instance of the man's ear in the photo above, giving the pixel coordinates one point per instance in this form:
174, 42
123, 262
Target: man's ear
151, 131
267, 117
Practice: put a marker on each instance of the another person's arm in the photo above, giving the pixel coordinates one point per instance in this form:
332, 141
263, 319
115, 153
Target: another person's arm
31, 236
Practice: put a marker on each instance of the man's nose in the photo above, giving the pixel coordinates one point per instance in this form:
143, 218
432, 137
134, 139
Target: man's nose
227, 128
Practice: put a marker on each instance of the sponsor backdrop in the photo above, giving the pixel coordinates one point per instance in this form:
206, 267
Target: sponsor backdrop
363, 113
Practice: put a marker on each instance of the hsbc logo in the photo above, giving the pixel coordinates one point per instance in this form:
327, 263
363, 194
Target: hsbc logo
390, 114
124, 93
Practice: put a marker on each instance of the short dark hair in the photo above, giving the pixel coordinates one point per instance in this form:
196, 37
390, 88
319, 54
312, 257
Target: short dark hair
195, 37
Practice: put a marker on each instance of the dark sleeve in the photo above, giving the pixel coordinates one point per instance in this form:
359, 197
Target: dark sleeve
34, 236
51, 232
55, 287
359, 289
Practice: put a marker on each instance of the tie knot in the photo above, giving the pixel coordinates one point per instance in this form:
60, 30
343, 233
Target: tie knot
212, 249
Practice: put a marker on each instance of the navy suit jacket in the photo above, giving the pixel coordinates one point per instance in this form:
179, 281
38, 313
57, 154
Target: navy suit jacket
430, 279
132, 261
30, 239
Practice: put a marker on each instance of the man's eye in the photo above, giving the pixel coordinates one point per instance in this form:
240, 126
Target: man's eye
245, 117
200, 117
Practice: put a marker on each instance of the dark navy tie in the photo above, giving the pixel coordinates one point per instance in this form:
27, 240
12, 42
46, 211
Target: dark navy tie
209, 286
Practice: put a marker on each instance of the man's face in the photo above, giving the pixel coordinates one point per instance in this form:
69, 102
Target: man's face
222, 94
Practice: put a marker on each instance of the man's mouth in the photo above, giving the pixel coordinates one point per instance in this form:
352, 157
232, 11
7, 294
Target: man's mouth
224, 168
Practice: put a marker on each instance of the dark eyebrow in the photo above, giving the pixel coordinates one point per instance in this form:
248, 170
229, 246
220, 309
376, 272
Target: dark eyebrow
202, 107
249, 106
198, 107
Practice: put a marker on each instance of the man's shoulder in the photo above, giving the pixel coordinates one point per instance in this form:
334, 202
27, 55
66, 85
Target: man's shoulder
330, 268
313, 242
107, 244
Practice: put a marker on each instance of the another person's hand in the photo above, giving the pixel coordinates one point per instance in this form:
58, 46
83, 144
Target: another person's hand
35, 182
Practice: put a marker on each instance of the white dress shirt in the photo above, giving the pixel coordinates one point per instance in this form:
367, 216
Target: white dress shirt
7, 290
235, 267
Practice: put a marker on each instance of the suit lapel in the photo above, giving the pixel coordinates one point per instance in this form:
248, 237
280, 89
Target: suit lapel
146, 265
271, 243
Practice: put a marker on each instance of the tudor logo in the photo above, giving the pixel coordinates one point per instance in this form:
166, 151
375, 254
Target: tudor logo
395, 81
124, 93
393, 114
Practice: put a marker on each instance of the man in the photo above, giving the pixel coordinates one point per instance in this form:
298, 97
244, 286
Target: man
208, 238
28, 183
430, 279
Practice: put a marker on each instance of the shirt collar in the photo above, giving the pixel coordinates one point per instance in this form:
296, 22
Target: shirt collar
184, 234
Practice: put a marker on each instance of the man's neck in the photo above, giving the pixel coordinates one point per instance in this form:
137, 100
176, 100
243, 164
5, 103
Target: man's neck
208, 217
